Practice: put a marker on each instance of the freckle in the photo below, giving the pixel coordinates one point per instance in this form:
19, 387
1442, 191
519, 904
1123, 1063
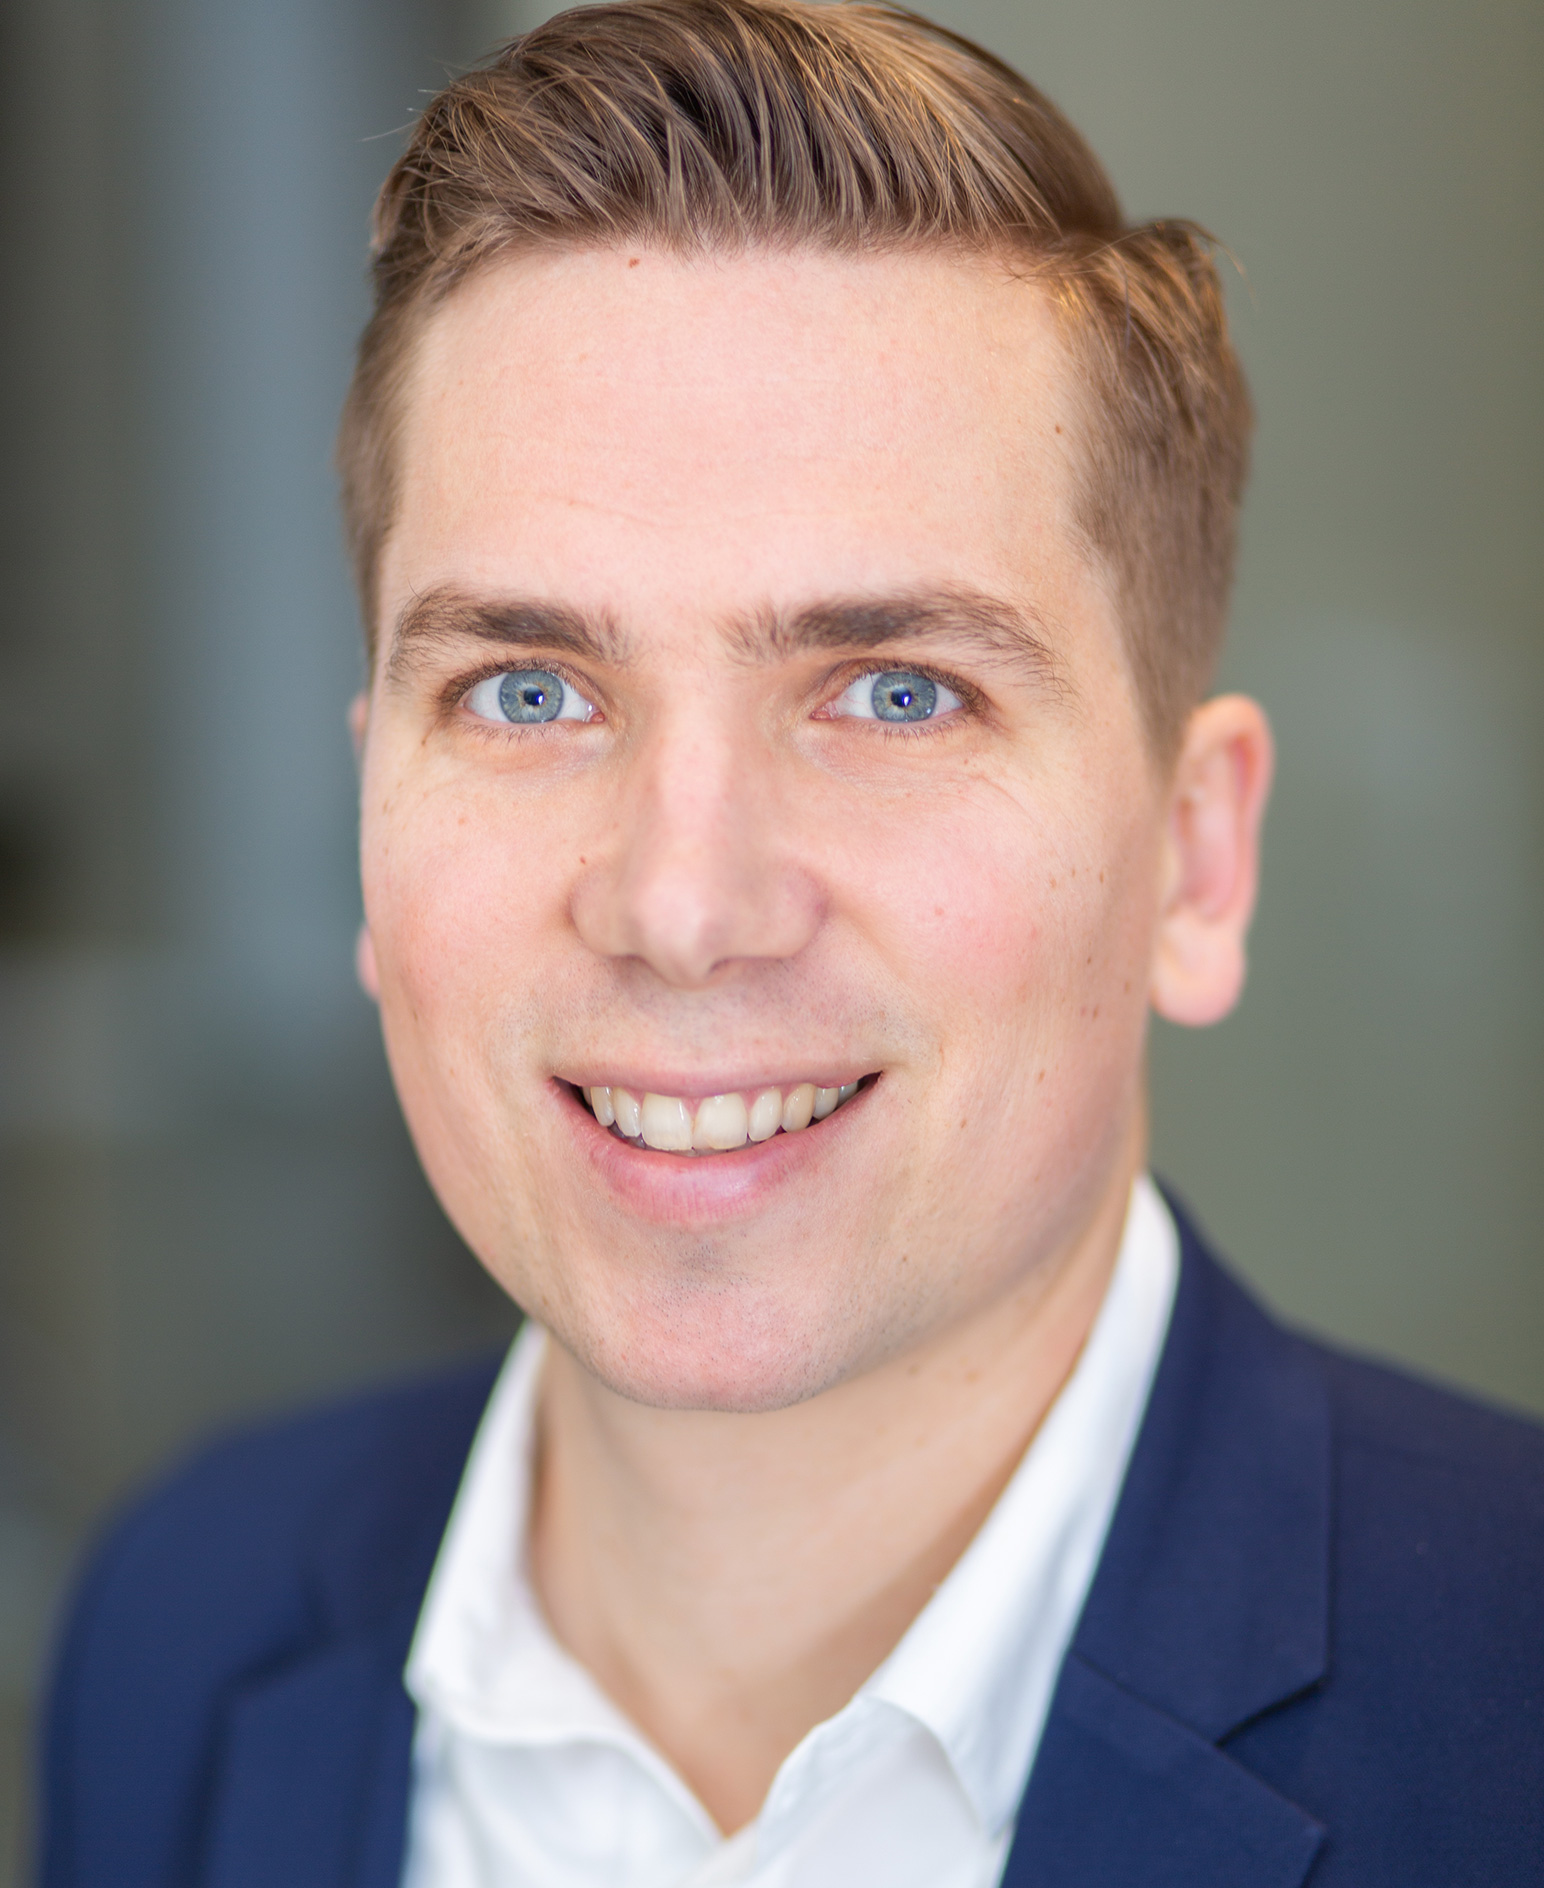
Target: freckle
972, 1376
1053, 884
1095, 1017
1040, 1078
633, 261
963, 1123
1101, 878
1090, 960
1058, 429
1128, 987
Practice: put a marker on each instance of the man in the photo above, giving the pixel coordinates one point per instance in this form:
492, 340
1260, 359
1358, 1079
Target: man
794, 519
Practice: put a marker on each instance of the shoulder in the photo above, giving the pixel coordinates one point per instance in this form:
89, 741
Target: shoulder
229, 1529
1392, 1413
1439, 1528
1421, 1748
1435, 1499
261, 1547
1393, 1436
1433, 1488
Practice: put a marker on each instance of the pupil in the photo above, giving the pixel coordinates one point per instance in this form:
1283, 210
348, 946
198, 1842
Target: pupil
903, 696
530, 695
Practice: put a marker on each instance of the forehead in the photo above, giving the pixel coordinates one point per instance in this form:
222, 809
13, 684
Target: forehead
629, 430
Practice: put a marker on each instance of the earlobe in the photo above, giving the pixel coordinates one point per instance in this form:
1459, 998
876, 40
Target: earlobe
364, 964
1212, 860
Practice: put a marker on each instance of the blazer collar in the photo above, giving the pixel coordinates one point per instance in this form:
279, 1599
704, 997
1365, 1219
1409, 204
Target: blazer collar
1210, 1606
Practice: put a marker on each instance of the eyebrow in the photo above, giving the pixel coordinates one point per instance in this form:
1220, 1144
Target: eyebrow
447, 614
438, 618
956, 612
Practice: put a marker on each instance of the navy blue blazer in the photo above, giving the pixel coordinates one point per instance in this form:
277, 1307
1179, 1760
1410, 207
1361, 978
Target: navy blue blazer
1313, 1650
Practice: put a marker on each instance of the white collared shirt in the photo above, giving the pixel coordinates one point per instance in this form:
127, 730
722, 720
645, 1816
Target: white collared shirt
527, 1776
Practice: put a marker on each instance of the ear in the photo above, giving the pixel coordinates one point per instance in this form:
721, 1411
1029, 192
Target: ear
364, 964
358, 719
1211, 860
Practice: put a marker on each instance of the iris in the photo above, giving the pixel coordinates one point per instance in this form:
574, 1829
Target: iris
530, 695
902, 695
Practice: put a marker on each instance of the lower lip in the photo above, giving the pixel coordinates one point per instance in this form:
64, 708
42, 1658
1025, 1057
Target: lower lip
679, 1190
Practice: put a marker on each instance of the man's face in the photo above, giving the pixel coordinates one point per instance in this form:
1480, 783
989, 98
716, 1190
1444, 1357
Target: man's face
742, 523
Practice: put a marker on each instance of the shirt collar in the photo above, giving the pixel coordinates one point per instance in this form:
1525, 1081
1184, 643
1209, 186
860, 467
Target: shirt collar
980, 1662
484, 1661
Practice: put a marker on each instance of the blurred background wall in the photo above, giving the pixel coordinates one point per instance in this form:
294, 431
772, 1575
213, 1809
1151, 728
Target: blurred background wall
207, 1204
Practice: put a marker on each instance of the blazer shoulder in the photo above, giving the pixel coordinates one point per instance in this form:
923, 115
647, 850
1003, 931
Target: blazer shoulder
254, 1552
1386, 1411
1421, 1749
231, 1531
1440, 1539
1390, 1535
1373, 1408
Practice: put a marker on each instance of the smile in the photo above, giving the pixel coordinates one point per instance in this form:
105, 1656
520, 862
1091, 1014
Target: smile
718, 1123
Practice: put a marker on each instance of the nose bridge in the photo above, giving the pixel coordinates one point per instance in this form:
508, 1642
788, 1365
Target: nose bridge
701, 874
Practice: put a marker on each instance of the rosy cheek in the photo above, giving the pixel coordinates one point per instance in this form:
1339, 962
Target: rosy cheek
977, 916
1033, 940
427, 908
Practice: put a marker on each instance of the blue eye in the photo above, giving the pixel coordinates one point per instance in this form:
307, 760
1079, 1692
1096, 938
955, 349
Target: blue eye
530, 695
896, 695
526, 696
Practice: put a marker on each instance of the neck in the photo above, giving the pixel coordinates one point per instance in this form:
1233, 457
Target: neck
731, 1580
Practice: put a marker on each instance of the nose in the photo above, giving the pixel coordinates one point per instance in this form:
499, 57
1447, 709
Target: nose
701, 870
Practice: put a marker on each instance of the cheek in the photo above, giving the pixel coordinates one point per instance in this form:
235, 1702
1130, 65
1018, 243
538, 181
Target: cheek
457, 894
458, 899
1026, 936
1011, 923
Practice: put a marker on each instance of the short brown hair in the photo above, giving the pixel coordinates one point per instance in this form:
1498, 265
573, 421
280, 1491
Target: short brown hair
713, 124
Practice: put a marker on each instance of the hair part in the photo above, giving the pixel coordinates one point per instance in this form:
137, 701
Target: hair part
715, 125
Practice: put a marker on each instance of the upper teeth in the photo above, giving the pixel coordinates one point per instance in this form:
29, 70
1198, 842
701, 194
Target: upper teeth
718, 1123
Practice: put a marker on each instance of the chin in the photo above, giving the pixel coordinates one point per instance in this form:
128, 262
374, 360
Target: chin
713, 1350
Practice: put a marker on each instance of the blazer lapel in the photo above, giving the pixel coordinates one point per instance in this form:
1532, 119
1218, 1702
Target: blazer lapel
313, 1769
315, 1772
1210, 1607
1123, 1794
